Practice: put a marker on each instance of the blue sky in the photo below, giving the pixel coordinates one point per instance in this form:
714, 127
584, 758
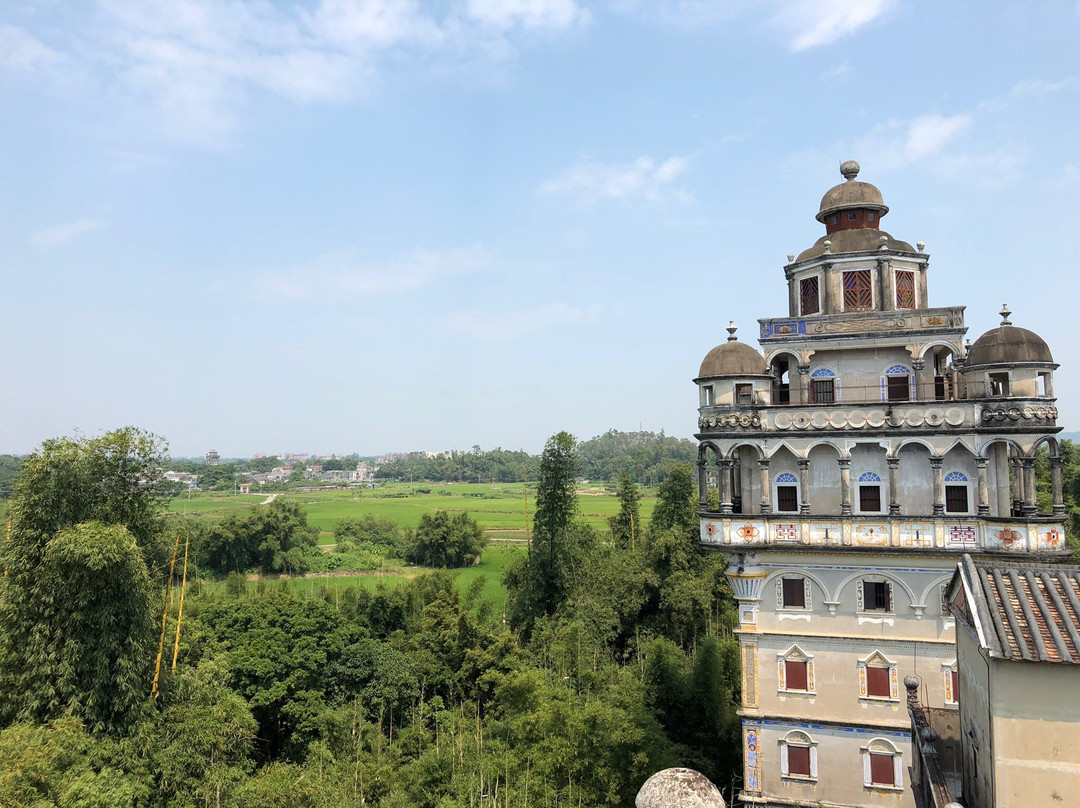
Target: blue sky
371, 225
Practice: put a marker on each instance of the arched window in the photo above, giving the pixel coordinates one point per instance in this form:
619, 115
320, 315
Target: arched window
823, 387
878, 678
869, 493
882, 765
787, 493
956, 492
896, 384
795, 670
798, 756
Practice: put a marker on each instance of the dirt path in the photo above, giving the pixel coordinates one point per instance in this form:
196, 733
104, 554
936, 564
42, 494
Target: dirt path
269, 499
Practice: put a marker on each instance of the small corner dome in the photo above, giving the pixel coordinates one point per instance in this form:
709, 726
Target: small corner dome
1009, 345
851, 194
679, 788
732, 358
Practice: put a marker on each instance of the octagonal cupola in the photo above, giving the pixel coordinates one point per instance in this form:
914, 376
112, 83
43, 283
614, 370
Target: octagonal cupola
851, 205
733, 374
1009, 361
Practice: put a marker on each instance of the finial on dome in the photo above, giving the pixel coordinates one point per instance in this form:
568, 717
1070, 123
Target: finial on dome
790, 257
731, 329
883, 241
849, 169
827, 245
920, 246
1005, 314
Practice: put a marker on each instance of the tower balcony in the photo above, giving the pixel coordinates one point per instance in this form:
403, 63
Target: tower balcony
1040, 535
862, 409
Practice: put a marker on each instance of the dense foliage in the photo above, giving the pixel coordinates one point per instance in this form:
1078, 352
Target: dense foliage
417, 695
442, 540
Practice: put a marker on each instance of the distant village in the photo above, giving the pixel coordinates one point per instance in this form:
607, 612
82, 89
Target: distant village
362, 476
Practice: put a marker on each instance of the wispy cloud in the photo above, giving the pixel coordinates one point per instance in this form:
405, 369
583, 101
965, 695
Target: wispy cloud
590, 181
19, 51
342, 277
503, 14
839, 70
812, 23
194, 63
928, 134
500, 326
806, 23
51, 236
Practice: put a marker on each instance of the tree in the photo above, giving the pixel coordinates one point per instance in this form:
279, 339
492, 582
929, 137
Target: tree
90, 650
272, 536
676, 505
541, 583
445, 541
626, 525
74, 610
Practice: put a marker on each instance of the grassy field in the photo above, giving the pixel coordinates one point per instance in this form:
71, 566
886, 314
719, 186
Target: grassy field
493, 563
499, 509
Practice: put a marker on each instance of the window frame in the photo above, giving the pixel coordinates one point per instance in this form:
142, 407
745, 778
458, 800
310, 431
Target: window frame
857, 289
878, 661
803, 310
786, 480
781, 593
951, 680
795, 654
953, 482
914, 289
744, 394
861, 597
870, 480
883, 748
796, 739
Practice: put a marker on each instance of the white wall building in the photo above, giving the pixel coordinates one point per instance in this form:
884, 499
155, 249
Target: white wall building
858, 456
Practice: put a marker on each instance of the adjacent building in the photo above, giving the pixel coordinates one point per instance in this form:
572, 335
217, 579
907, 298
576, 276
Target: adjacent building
855, 458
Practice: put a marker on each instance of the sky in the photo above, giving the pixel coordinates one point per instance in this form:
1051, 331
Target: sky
391, 225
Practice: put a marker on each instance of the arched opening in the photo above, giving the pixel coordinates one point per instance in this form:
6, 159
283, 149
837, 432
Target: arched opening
709, 467
1049, 500
870, 475
1006, 479
960, 479
786, 493
781, 367
940, 367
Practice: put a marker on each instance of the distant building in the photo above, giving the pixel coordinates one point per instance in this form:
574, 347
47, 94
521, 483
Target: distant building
183, 477
212, 458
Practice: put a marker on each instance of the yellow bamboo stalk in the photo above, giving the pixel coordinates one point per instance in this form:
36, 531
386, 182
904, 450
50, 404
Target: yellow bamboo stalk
164, 617
528, 540
180, 612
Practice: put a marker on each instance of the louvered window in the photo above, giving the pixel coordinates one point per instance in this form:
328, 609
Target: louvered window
798, 761
905, 289
809, 299
787, 498
882, 770
858, 290
794, 593
822, 391
956, 499
877, 682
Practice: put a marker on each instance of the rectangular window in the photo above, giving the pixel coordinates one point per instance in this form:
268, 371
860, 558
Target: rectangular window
809, 299
787, 498
870, 216
898, 387
870, 498
877, 683
794, 594
858, 290
708, 395
798, 761
876, 596
905, 289
822, 391
999, 384
956, 499
744, 394
955, 686
794, 675
851, 216
882, 771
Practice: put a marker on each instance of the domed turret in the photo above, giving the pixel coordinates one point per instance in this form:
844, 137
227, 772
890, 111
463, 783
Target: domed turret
732, 358
853, 196
1009, 345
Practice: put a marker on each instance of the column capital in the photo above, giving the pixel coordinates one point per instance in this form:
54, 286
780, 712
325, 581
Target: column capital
1027, 462
803, 463
764, 463
918, 364
804, 370
1055, 461
845, 462
937, 462
727, 463
893, 462
981, 462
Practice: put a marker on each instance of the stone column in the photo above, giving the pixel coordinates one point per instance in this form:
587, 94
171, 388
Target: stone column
984, 492
845, 486
917, 367
1029, 507
766, 487
894, 485
702, 483
1055, 486
804, 379
804, 486
936, 464
1017, 485
725, 485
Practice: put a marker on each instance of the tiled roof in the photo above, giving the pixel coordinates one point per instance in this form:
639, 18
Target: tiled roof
1027, 612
